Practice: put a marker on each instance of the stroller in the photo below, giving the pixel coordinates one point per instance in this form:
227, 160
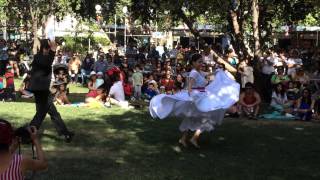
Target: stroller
60, 72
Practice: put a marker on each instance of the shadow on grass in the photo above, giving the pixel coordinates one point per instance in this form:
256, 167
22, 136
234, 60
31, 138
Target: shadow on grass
133, 146
73, 97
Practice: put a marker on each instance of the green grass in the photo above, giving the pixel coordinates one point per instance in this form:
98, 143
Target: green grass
118, 144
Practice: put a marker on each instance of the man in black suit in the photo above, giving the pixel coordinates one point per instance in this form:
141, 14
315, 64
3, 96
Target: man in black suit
40, 83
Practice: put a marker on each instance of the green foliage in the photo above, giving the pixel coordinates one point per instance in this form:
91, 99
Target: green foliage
81, 44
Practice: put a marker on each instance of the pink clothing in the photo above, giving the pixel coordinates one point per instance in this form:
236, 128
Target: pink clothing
14, 170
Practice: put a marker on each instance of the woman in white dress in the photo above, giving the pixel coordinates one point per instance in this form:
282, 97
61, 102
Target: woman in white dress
201, 106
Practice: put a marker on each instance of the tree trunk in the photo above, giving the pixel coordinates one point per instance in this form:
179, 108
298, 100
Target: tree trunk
238, 34
36, 42
255, 25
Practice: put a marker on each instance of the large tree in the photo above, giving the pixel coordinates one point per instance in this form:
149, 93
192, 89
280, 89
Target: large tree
36, 13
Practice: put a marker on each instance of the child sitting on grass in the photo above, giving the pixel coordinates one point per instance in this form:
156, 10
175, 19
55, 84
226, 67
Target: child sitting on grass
151, 91
25, 93
60, 94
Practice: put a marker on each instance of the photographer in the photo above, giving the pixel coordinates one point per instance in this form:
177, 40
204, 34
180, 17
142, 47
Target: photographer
15, 166
40, 82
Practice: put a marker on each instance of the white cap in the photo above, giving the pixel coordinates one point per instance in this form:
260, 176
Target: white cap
100, 73
93, 73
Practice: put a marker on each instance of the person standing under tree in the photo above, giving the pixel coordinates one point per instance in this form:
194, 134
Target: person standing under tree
40, 83
137, 80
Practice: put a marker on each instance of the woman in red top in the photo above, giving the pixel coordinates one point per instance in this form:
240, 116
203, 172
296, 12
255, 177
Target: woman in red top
250, 101
14, 166
167, 82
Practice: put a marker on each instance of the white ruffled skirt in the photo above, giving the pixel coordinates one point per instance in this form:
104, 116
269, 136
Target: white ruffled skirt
201, 110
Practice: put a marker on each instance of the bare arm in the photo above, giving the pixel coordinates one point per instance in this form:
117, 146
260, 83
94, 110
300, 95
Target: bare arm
190, 84
40, 163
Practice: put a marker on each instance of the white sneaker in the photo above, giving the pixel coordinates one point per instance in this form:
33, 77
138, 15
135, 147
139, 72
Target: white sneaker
289, 115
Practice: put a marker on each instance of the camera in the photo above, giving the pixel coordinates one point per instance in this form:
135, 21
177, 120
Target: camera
23, 134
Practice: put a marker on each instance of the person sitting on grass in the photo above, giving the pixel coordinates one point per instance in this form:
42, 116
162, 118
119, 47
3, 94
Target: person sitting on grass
280, 77
301, 77
305, 106
9, 75
116, 94
60, 93
280, 101
92, 85
151, 91
292, 91
15, 166
24, 87
100, 98
250, 101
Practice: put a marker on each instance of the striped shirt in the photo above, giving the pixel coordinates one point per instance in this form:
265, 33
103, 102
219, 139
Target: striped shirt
14, 170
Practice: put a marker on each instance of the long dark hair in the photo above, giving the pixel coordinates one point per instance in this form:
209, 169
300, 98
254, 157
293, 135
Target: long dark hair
282, 92
307, 99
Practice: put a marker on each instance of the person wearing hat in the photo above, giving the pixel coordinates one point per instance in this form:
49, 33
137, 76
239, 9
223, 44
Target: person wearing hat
40, 82
280, 77
301, 77
60, 93
151, 91
14, 166
92, 85
100, 80
250, 101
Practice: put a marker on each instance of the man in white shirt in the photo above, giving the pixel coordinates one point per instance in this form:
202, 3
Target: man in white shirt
116, 94
293, 62
267, 72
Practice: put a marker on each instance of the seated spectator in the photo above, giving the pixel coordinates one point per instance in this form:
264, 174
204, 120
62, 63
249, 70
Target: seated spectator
24, 87
86, 68
15, 166
99, 80
60, 93
92, 85
301, 76
116, 94
305, 106
232, 58
151, 91
62, 75
167, 82
74, 67
292, 92
250, 101
280, 77
100, 96
59, 60
179, 83
10, 89
293, 62
317, 110
280, 101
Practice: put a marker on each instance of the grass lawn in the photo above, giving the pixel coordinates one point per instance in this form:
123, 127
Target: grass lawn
118, 144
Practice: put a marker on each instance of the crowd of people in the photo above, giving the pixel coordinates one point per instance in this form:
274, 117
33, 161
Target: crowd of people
286, 79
